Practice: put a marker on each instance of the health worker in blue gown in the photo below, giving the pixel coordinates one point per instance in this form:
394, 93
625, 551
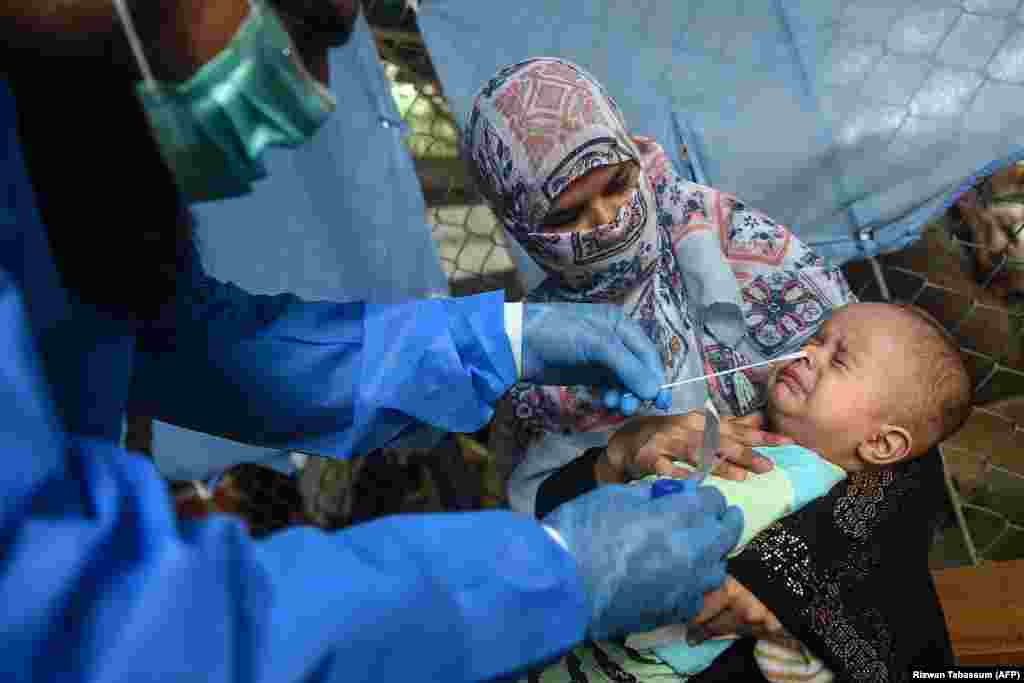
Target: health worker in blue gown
114, 117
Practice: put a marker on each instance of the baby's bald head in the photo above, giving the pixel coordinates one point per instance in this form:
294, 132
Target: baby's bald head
938, 401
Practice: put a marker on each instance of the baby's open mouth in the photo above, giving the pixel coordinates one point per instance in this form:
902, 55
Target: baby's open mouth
790, 376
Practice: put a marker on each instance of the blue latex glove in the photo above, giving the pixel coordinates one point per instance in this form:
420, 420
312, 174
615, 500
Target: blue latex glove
647, 561
590, 344
628, 404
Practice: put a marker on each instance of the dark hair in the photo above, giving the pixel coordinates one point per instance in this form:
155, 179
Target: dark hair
116, 224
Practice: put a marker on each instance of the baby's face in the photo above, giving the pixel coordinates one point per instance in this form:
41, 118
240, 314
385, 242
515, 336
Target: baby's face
835, 398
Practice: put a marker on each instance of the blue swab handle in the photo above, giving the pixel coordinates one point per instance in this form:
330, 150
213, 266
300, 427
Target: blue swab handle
665, 487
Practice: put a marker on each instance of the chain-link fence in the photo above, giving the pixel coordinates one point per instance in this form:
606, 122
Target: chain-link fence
471, 244
984, 462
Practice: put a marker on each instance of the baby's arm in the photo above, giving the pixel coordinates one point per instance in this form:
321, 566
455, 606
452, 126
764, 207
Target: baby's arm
763, 498
799, 477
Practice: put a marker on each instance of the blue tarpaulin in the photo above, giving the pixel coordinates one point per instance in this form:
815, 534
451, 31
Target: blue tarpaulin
851, 121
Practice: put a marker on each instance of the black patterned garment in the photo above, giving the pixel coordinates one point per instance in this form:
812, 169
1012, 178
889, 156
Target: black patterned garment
848, 576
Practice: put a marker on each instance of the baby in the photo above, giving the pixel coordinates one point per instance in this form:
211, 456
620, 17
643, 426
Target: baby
881, 383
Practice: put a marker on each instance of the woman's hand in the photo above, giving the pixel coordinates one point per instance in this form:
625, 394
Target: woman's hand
649, 445
732, 610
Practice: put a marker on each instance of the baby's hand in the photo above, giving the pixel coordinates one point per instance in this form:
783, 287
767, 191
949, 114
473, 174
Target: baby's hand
649, 445
734, 610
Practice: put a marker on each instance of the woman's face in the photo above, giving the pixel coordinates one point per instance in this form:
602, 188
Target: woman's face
998, 231
593, 199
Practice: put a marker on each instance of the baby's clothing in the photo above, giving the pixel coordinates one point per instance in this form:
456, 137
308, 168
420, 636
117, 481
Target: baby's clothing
779, 664
799, 477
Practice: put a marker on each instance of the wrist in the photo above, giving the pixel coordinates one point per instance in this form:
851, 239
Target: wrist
613, 461
606, 472
514, 331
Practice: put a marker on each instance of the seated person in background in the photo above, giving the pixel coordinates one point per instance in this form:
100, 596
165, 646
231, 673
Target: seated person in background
993, 215
973, 252
881, 383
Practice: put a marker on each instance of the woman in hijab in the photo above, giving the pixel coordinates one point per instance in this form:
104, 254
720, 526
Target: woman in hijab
715, 285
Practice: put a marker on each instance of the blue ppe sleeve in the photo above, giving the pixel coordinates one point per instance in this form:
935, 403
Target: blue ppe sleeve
341, 218
328, 378
100, 583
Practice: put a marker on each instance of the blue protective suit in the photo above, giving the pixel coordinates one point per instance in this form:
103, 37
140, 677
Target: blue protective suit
346, 221
99, 582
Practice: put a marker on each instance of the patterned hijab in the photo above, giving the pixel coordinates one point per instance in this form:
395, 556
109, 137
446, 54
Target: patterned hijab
535, 128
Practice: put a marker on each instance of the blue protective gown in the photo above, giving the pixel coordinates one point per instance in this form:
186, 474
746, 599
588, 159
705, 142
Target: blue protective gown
98, 580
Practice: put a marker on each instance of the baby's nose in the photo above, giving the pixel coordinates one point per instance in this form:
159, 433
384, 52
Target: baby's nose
810, 354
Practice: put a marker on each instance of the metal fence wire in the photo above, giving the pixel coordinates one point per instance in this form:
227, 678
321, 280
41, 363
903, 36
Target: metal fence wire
470, 242
984, 462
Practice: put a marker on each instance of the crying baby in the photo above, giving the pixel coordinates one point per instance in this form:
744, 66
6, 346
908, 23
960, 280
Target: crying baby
880, 383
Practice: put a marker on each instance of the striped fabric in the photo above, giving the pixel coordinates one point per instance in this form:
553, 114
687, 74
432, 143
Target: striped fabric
784, 664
